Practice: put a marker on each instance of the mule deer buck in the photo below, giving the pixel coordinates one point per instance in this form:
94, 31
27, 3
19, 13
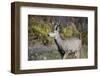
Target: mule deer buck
65, 47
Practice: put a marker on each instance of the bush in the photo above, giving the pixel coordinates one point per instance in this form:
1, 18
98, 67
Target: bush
70, 31
38, 32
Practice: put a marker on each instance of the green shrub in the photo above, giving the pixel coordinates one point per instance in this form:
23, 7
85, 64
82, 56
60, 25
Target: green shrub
70, 31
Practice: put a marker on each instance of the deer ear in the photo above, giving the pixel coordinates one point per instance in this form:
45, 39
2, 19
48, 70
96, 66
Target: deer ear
58, 28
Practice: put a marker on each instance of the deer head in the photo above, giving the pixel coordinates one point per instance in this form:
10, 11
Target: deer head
55, 33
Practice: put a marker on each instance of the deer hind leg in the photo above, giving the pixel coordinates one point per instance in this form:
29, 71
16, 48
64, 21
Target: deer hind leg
77, 54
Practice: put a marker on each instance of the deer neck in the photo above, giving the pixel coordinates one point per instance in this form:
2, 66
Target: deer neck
59, 43
58, 40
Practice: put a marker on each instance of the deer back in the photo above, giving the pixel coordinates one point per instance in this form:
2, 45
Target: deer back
72, 44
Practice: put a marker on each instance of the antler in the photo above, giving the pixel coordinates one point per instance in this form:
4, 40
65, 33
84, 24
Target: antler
56, 23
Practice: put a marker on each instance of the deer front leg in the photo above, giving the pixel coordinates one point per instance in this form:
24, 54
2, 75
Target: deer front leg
65, 55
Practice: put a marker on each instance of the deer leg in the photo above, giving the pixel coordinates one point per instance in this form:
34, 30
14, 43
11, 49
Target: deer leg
62, 55
65, 55
77, 54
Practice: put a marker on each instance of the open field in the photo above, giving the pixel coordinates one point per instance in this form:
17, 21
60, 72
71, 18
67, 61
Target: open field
51, 53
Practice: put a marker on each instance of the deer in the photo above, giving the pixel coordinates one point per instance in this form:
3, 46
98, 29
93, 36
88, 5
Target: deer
67, 46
